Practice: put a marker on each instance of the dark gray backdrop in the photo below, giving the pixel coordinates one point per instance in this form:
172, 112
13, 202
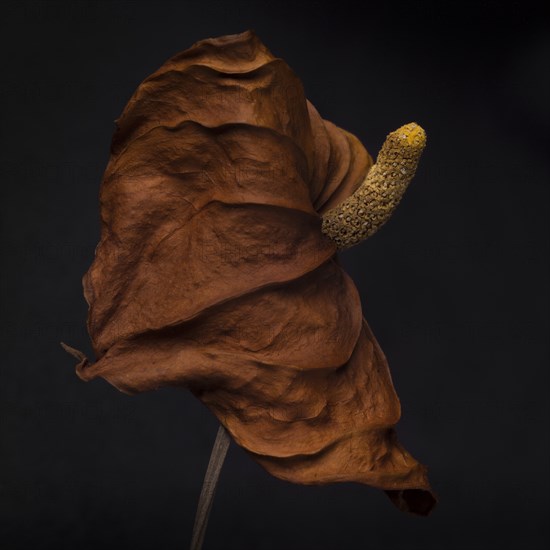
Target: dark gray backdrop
454, 286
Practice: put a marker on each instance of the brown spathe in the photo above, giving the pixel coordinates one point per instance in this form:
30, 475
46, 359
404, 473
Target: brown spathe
213, 272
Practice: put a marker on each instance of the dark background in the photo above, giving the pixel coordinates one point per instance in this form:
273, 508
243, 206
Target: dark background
454, 286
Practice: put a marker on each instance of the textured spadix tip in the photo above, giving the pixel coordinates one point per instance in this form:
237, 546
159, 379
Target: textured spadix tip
410, 135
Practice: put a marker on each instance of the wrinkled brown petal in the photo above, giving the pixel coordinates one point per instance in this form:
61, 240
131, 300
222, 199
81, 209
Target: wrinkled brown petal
213, 274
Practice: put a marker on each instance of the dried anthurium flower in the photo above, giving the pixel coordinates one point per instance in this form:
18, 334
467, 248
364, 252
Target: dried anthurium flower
223, 204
